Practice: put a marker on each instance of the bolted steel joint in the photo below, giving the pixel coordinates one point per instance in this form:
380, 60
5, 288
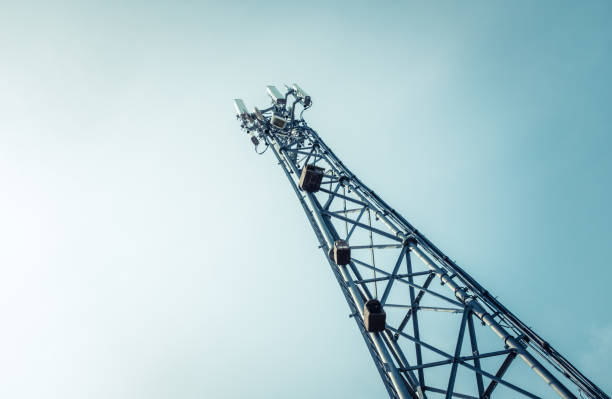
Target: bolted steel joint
410, 240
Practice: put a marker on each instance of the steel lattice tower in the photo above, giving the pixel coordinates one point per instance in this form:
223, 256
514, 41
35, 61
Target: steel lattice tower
407, 322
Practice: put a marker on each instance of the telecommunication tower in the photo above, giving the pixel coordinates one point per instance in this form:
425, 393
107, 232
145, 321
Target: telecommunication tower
432, 330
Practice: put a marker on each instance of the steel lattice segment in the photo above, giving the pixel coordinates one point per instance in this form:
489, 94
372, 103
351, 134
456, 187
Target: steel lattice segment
436, 338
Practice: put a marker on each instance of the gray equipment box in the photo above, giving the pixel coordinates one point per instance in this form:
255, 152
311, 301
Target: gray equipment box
374, 317
278, 121
310, 180
342, 253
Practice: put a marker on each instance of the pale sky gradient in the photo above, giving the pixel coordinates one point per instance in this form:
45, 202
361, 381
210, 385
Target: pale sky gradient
148, 252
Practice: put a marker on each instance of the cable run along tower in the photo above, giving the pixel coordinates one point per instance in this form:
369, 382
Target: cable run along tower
431, 329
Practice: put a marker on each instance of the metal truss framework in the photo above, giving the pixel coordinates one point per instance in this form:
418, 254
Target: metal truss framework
436, 341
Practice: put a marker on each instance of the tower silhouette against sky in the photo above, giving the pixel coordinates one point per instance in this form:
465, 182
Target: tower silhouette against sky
432, 330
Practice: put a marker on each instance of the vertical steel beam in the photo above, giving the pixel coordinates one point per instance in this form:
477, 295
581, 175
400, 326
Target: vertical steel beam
415, 321
453, 373
474, 343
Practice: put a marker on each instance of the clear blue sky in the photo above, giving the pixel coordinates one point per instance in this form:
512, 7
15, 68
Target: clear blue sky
147, 252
